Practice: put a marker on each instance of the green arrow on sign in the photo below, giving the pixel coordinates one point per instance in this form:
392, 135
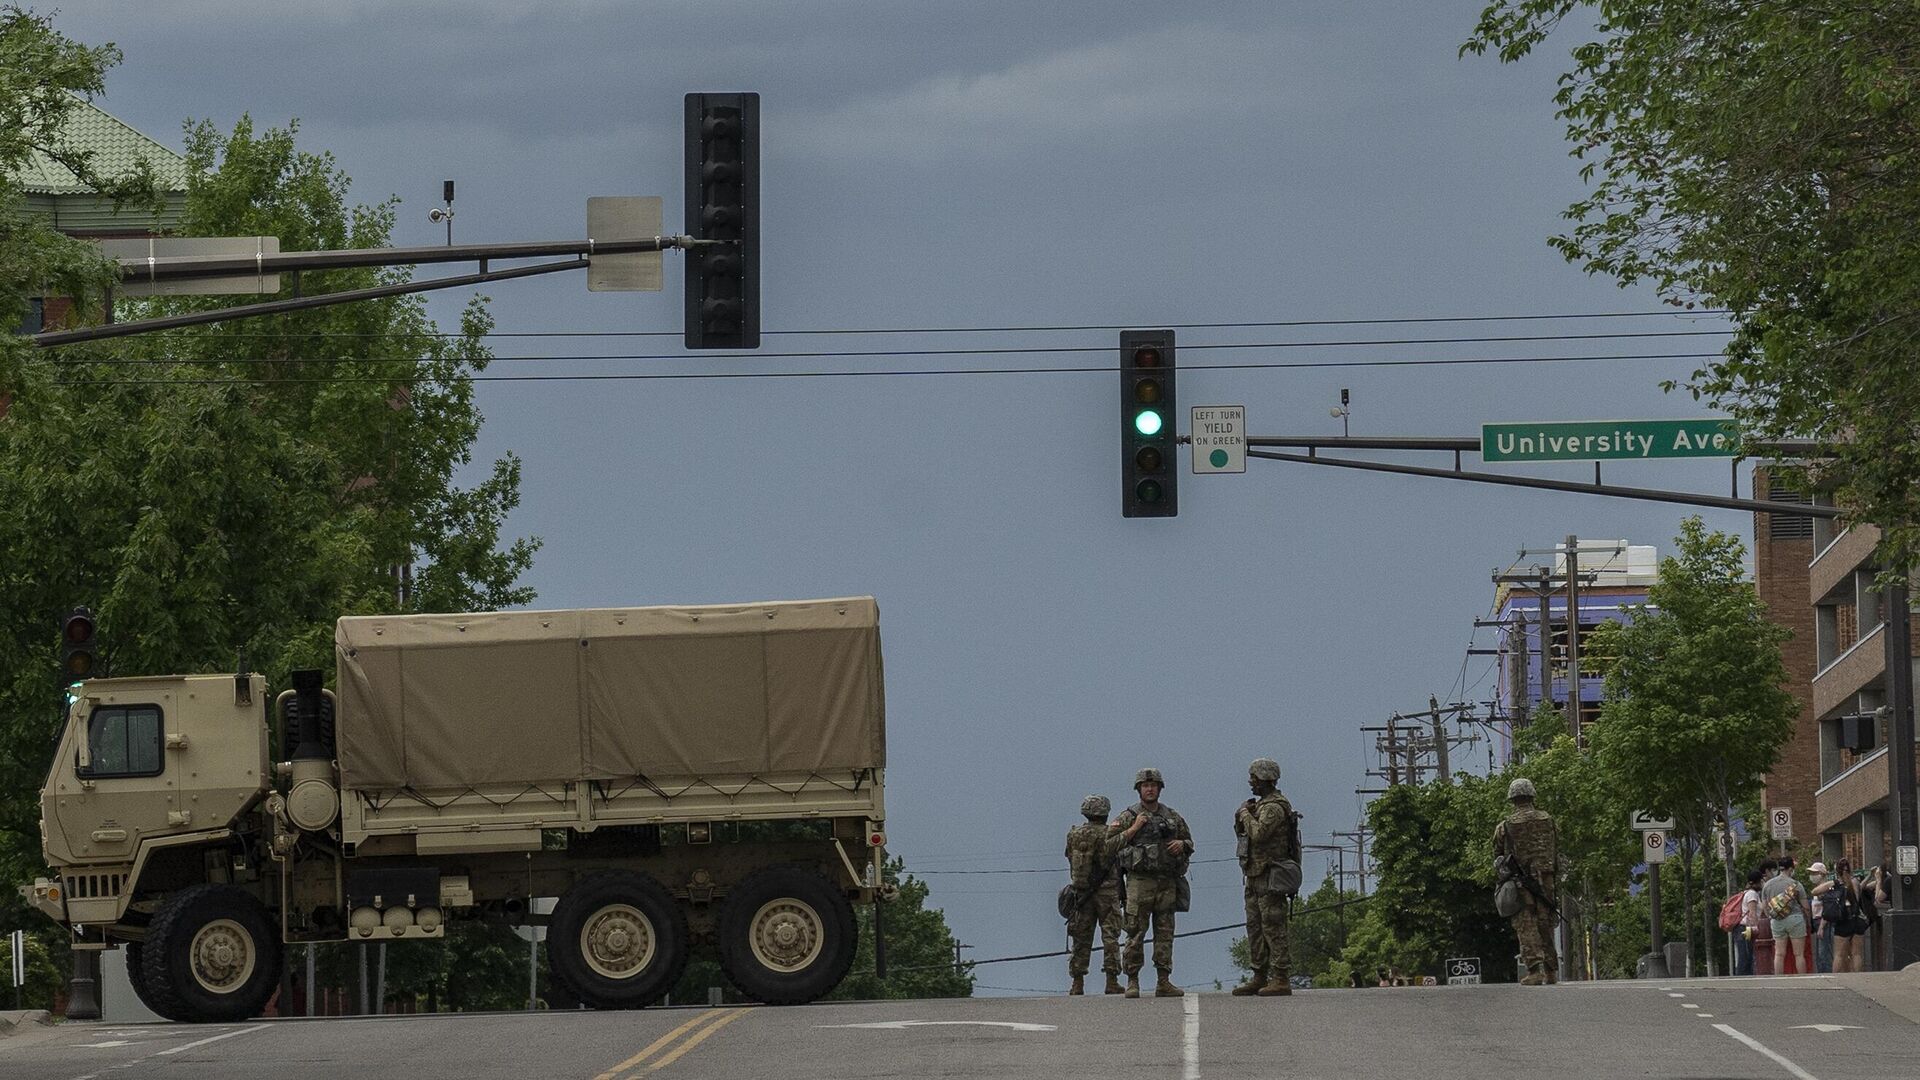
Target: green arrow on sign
1609, 440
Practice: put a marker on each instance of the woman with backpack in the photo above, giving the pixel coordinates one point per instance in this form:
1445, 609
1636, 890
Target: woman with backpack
1845, 913
1784, 902
1740, 916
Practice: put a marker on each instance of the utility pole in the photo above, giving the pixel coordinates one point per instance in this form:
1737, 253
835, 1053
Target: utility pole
958, 970
1440, 742
1574, 697
1903, 922
1393, 758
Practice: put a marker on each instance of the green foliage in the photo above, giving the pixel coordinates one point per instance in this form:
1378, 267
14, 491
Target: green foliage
1696, 712
47, 963
1317, 932
1758, 155
919, 948
1433, 857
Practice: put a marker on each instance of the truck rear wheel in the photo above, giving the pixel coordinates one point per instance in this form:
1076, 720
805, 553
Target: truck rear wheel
786, 936
211, 956
617, 940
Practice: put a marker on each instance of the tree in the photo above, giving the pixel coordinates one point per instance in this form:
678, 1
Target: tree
1759, 156
1696, 710
221, 490
1433, 861
919, 948
1317, 932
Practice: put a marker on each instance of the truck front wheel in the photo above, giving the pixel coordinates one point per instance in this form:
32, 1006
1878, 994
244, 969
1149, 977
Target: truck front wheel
617, 940
137, 975
211, 956
786, 936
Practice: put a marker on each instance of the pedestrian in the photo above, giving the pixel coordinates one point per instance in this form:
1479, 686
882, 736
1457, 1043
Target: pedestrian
1154, 844
1095, 897
1819, 887
1763, 926
1525, 846
1749, 924
1269, 851
1875, 892
1790, 914
1845, 918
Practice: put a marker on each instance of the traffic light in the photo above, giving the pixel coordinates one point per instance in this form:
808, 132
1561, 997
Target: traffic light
1148, 480
79, 647
723, 203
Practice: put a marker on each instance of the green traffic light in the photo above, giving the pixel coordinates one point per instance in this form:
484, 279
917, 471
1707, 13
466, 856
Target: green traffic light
1147, 422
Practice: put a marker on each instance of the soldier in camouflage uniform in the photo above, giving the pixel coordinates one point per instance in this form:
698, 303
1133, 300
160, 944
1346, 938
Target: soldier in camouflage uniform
1096, 881
1528, 836
1154, 844
1264, 825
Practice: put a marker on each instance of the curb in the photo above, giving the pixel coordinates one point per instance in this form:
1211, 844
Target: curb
12, 1021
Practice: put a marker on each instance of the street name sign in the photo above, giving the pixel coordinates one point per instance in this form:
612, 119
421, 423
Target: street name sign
1608, 440
624, 217
1653, 845
1644, 820
1219, 434
1463, 971
1781, 818
150, 248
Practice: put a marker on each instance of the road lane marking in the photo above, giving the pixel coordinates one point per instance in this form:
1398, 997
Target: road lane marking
698, 1038
1755, 1045
654, 1046
100, 1045
1831, 1028
902, 1025
1190, 1038
1670, 994
1689, 1005
1704, 1016
209, 1039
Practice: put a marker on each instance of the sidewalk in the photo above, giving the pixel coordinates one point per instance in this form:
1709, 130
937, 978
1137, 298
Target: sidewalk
1896, 991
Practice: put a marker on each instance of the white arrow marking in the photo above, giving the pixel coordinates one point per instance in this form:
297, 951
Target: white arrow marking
901, 1025
1831, 1027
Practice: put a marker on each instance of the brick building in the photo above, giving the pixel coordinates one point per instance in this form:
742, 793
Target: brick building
1817, 576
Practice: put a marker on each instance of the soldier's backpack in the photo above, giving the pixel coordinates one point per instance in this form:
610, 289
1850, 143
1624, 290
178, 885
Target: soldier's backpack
1734, 911
1785, 902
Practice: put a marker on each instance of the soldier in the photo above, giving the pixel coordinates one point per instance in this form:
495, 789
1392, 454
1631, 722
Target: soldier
1096, 885
1154, 844
1527, 838
1265, 827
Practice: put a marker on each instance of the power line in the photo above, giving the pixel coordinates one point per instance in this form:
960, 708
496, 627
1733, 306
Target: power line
886, 373
843, 354
1034, 329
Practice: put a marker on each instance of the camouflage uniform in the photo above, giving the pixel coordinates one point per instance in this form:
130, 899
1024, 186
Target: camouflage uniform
1269, 840
1528, 835
1152, 880
1086, 850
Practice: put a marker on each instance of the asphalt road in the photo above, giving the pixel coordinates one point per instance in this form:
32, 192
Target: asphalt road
1678, 1030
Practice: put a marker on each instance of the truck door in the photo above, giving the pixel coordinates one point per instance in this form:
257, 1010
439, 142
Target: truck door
122, 791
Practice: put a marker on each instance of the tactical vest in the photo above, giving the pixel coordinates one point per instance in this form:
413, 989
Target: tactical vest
1530, 838
1146, 854
1263, 851
1085, 845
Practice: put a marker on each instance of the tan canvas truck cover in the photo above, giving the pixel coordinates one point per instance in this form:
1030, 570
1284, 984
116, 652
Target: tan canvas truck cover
452, 701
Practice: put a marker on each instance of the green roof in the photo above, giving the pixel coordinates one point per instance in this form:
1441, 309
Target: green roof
115, 145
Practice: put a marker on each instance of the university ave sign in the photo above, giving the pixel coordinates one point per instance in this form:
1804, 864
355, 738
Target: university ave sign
1610, 440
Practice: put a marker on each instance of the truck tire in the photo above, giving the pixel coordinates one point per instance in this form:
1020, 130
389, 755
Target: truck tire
212, 955
137, 975
617, 940
786, 936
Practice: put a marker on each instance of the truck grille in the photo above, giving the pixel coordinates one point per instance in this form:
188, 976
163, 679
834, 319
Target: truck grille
93, 886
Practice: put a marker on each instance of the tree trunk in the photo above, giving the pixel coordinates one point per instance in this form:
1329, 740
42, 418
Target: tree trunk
1686, 894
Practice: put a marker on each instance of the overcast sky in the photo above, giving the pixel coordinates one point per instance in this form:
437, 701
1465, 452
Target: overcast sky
948, 164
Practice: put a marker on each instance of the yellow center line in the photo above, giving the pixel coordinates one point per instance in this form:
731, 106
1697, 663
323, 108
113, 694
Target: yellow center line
655, 1046
697, 1039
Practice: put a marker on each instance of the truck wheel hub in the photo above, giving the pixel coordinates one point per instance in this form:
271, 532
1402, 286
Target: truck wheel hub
222, 955
787, 934
617, 941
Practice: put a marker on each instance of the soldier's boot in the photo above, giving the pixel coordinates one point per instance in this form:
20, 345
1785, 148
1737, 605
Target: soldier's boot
1279, 986
1553, 976
1113, 983
1534, 978
1252, 986
1165, 987
1079, 986
1133, 984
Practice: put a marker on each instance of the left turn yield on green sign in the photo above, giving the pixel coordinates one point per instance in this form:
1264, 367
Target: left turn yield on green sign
1219, 434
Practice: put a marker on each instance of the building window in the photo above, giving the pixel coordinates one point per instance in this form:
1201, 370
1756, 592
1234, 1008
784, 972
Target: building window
123, 741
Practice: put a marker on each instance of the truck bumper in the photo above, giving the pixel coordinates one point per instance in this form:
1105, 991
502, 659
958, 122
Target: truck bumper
48, 896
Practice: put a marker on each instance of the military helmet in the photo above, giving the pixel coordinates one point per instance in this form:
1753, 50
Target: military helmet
1520, 789
1264, 768
1145, 775
1095, 806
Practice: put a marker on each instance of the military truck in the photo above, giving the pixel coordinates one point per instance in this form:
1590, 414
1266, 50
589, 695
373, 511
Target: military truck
672, 775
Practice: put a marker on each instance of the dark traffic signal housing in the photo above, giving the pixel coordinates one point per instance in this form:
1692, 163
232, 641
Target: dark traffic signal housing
1148, 480
723, 203
79, 647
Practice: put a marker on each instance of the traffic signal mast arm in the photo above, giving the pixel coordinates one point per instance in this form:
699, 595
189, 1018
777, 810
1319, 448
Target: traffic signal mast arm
1313, 444
181, 268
